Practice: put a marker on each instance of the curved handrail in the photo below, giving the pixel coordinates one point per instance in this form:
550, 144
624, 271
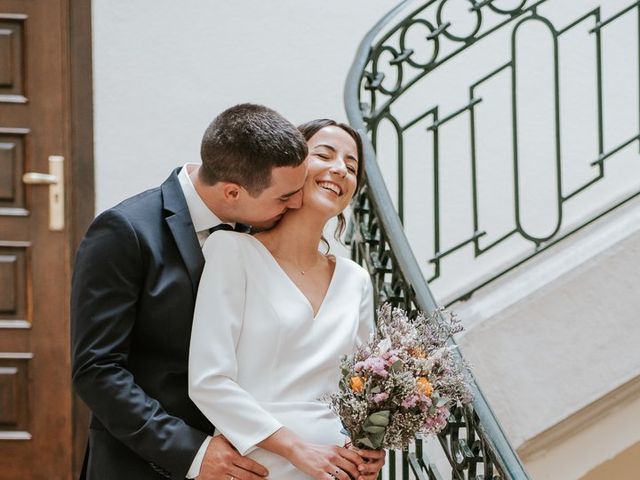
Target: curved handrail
492, 241
499, 450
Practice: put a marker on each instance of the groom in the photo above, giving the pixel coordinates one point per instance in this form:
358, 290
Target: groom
134, 285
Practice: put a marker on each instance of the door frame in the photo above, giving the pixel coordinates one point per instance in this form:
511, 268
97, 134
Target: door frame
80, 181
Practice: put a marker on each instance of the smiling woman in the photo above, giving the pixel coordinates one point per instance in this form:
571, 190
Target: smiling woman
283, 318
333, 167
310, 129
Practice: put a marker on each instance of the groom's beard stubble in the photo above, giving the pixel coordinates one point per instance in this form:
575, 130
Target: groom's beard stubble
264, 228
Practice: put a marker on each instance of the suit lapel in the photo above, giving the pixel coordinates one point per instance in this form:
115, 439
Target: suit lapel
181, 226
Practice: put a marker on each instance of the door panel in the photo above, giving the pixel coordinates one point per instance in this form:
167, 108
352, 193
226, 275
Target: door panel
12, 166
14, 397
15, 292
35, 392
12, 58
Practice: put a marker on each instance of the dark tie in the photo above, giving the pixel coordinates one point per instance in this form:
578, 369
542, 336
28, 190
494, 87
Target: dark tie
222, 226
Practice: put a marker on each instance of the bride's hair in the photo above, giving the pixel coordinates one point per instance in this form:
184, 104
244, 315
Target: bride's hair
308, 130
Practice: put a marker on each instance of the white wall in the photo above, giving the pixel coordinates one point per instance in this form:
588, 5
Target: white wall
163, 69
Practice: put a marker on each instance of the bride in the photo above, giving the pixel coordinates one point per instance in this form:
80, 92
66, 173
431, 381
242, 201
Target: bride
273, 315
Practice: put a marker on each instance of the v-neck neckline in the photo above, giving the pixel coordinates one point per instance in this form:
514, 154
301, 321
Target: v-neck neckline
283, 273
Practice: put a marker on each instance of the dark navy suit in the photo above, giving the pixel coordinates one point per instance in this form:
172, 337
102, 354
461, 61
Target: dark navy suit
134, 285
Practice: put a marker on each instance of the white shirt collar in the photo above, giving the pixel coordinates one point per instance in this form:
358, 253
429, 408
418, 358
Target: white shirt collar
201, 216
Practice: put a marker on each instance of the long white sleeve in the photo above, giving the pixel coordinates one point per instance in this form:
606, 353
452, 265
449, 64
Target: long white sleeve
367, 315
217, 323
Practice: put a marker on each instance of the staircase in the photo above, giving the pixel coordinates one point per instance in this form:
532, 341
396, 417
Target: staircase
502, 169
555, 346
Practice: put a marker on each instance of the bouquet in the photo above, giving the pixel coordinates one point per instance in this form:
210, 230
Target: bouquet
403, 382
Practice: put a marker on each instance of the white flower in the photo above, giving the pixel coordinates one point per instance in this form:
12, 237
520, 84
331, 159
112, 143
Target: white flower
384, 346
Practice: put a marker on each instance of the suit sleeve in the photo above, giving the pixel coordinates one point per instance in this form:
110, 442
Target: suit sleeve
213, 366
108, 276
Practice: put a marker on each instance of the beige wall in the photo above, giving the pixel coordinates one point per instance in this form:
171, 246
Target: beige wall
620, 466
549, 361
600, 439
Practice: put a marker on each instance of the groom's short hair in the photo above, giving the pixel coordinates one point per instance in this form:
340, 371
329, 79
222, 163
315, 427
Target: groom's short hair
245, 142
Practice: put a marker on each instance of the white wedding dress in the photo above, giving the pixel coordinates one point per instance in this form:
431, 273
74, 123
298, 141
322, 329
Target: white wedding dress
259, 358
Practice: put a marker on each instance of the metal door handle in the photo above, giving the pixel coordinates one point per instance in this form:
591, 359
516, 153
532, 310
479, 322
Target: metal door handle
55, 180
35, 178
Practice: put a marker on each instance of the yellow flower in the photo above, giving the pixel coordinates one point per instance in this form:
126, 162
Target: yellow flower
424, 387
417, 352
357, 384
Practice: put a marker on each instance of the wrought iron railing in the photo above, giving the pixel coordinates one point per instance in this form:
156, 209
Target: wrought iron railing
473, 445
389, 67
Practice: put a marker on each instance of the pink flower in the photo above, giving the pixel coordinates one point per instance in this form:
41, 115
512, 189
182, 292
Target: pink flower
438, 421
429, 423
443, 415
380, 397
411, 401
377, 366
425, 402
393, 359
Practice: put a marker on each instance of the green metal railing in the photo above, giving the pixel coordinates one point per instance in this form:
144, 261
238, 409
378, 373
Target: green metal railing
387, 68
473, 443
473, 446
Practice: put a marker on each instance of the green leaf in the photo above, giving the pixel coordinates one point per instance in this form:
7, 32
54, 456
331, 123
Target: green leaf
397, 366
375, 389
380, 419
376, 439
366, 442
374, 429
442, 401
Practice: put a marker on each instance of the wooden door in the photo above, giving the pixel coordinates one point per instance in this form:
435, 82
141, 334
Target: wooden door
36, 403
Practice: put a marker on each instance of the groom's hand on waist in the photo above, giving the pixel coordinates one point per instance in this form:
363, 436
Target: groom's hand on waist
223, 462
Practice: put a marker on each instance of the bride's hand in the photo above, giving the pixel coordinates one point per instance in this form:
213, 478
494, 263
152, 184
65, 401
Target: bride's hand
321, 462
374, 461
325, 462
